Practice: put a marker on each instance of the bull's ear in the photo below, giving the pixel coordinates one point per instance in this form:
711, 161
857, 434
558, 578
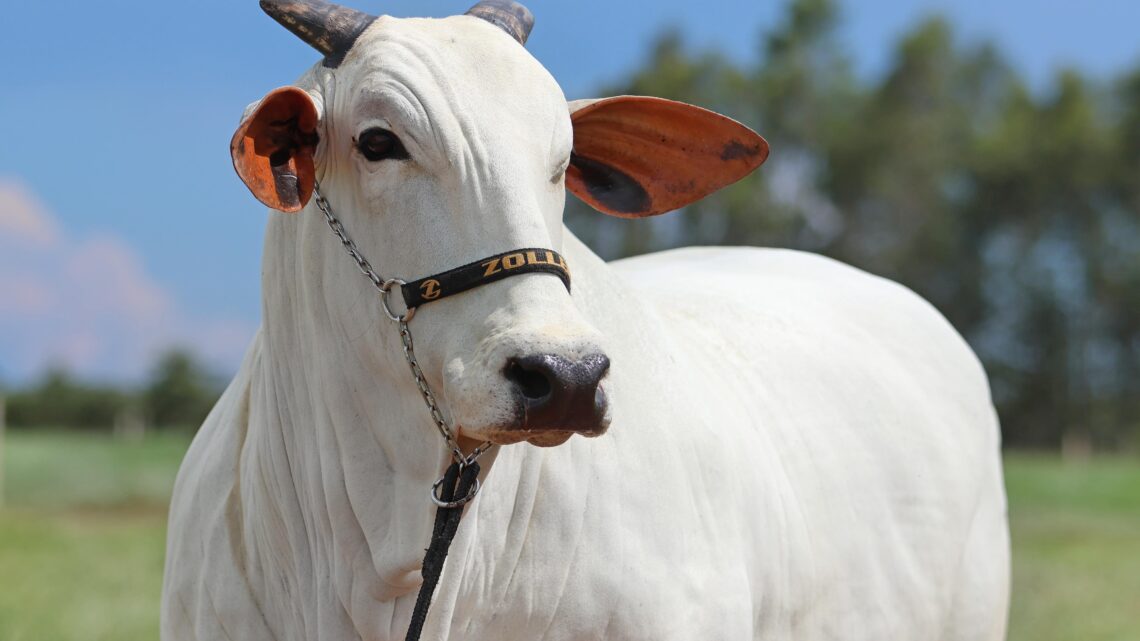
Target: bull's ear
273, 149
636, 156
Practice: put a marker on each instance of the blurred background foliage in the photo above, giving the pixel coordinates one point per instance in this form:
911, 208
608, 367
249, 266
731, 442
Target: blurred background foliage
177, 395
1015, 212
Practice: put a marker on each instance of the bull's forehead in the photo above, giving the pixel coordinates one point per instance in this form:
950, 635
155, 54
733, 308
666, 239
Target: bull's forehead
461, 76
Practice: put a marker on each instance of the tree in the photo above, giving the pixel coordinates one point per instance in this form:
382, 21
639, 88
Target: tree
61, 401
180, 393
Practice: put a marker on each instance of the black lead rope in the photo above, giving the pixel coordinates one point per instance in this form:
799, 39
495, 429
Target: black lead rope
456, 483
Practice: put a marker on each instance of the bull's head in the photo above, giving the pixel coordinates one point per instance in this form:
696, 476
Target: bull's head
440, 142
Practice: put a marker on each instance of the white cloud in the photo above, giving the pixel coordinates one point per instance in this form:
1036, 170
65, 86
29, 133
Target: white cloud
23, 219
89, 304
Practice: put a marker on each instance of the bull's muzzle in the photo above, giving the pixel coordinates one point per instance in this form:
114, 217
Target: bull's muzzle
559, 394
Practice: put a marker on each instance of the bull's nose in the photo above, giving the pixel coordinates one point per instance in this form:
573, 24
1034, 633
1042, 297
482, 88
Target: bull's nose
558, 393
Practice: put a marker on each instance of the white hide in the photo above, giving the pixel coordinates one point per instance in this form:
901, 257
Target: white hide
798, 450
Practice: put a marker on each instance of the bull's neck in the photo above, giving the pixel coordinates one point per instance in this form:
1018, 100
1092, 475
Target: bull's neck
337, 409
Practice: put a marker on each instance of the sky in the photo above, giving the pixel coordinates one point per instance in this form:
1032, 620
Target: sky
124, 231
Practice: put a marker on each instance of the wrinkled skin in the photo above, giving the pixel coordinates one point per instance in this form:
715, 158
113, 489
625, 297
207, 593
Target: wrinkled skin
797, 450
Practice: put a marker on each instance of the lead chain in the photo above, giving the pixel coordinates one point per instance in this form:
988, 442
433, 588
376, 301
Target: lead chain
385, 289
429, 399
362, 263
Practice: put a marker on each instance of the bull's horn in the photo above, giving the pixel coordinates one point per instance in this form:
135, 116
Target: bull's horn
509, 16
329, 28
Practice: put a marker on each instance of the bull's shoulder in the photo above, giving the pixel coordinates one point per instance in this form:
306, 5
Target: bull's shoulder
206, 590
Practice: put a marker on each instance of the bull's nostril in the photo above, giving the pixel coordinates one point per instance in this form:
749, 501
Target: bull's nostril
534, 385
558, 393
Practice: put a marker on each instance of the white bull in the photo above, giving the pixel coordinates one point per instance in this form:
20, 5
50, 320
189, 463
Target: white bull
796, 449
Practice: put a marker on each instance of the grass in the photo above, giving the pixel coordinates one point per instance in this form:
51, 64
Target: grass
1076, 549
51, 470
80, 576
81, 542
82, 537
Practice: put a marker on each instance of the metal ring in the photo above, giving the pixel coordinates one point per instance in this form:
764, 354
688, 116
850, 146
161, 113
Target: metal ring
456, 503
385, 292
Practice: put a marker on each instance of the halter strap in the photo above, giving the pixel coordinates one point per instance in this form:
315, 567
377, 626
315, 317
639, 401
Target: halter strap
482, 272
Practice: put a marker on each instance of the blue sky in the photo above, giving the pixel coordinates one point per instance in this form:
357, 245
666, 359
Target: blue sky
123, 228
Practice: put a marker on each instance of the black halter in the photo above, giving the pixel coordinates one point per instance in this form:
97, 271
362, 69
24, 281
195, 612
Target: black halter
482, 272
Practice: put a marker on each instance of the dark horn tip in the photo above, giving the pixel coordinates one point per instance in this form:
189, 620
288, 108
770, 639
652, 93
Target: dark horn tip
329, 28
508, 15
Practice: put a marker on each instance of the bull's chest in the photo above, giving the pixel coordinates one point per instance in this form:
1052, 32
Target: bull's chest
615, 597
574, 557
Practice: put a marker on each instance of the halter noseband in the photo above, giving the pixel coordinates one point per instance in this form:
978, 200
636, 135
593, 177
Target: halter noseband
483, 272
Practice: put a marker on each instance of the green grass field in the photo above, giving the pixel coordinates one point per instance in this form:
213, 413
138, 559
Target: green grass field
82, 536
81, 542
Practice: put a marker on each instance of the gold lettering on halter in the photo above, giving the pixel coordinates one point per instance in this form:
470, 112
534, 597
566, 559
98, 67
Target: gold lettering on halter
431, 290
492, 267
555, 259
516, 260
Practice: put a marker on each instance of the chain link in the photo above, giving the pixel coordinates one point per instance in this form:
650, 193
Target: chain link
362, 263
429, 400
385, 288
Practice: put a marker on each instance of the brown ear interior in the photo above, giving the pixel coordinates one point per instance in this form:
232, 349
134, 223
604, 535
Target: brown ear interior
273, 149
638, 156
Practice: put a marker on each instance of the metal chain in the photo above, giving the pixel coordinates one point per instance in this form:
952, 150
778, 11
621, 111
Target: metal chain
362, 263
429, 400
385, 287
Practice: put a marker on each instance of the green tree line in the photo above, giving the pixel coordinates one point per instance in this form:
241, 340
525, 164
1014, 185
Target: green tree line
1015, 210
178, 394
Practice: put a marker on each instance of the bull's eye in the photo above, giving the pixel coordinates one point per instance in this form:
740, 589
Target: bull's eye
380, 144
